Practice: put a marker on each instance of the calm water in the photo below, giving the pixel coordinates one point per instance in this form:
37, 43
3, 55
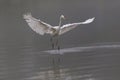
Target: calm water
89, 62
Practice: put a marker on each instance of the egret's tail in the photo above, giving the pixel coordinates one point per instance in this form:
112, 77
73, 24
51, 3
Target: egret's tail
88, 21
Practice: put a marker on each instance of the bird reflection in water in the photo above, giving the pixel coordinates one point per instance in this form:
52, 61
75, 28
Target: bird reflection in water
63, 74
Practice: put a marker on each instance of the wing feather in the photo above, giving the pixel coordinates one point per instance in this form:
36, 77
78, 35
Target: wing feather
68, 27
36, 25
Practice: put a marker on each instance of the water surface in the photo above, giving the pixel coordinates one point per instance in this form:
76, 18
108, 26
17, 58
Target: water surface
89, 62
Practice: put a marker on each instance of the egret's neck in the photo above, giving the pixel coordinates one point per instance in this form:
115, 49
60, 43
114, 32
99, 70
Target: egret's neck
60, 23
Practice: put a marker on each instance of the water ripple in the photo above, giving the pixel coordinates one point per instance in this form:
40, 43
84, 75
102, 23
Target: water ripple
83, 49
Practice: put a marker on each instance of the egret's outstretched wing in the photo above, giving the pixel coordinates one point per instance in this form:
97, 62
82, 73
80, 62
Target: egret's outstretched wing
36, 25
68, 27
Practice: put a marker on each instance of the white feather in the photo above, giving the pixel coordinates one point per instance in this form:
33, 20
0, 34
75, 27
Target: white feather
88, 21
41, 27
68, 27
36, 25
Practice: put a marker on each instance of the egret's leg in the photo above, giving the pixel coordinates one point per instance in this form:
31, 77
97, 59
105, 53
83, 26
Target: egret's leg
58, 47
52, 43
57, 43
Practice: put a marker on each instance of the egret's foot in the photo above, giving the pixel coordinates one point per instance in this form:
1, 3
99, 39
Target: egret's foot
58, 47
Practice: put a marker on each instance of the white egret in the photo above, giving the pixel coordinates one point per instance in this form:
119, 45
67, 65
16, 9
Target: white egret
42, 28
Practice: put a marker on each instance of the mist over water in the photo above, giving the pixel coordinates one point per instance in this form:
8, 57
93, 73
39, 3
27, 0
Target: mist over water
89, 52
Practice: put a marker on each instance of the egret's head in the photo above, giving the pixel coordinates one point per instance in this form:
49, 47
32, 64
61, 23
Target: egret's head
62, 17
